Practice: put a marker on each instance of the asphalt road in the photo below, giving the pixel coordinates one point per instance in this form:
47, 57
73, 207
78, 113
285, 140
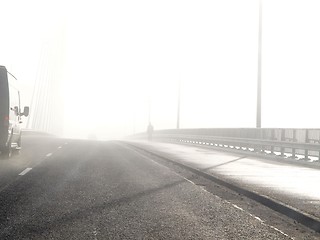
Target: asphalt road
73, 189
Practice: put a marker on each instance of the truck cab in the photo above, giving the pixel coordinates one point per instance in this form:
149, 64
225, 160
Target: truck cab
10, 114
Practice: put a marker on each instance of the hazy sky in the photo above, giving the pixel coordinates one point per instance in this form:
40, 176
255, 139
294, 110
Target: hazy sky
121, 55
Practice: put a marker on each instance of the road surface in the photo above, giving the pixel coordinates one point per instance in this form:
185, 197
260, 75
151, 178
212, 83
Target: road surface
74, 189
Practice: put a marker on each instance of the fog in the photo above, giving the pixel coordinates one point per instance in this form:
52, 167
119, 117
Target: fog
114, 61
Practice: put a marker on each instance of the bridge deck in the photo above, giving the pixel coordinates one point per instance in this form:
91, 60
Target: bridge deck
289, 183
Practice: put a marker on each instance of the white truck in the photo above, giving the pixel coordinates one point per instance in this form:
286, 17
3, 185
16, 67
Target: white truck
10, 114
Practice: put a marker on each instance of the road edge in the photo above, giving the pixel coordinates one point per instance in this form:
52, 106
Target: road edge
286, 210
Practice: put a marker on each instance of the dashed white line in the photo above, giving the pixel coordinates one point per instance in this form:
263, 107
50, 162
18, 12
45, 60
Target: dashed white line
259, 219
95, 233
237, 207
60, 147
278, 230
241, 209
49, 155
25, 171
234, 205
185, 178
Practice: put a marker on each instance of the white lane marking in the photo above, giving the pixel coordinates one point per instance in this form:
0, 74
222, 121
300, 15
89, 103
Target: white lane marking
49, 155
259, 219
203, 189
278, 230
60, 147
238, 207
66, 143
95, 233
185, 178
24, 171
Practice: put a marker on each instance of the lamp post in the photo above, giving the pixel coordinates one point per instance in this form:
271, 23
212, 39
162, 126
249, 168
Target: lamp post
178, 110
149, 110
258, 123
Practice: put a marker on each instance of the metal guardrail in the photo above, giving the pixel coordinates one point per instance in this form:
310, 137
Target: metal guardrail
293, 143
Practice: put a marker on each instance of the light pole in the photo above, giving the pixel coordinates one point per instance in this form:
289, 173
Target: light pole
149, 109
258, 123
178, 110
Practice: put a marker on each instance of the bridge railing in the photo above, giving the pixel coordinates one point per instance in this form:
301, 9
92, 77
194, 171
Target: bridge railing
285, 142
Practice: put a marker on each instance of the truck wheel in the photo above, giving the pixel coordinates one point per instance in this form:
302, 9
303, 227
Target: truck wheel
16, 151
7, 152
19, 143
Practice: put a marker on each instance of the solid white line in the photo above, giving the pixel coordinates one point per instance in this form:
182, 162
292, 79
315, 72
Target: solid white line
24, 171
49, 155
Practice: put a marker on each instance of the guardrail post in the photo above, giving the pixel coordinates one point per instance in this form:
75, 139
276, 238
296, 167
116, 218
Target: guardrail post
306, 155
258, 148
282, 139
294, 140
262, 137
272, 138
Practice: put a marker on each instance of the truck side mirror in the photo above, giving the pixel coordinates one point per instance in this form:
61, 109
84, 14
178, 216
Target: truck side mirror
16, 110
25, 111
